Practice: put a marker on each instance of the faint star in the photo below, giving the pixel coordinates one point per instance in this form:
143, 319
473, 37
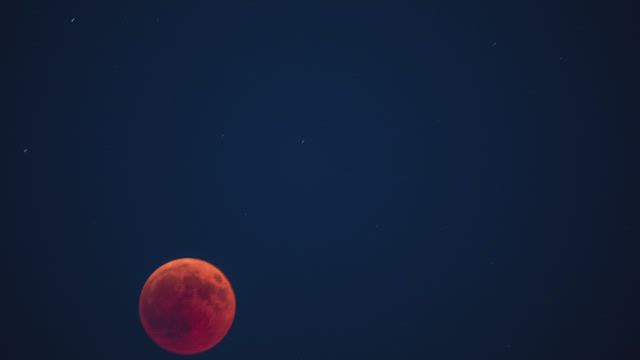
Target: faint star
494, 44
25, 150
302, 141
72, 20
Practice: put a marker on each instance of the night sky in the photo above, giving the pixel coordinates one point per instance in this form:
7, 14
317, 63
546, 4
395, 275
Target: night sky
377, 179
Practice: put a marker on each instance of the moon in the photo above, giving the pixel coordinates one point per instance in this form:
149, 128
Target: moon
187, 306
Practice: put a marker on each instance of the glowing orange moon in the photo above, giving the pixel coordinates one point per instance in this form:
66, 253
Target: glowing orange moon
187, 306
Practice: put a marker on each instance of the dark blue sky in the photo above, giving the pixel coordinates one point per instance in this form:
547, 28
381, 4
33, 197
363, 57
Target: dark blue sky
378, 179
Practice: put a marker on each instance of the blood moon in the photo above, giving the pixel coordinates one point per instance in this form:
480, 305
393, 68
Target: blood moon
187, 306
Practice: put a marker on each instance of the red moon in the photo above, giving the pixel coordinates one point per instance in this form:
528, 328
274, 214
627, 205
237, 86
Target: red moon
187, 306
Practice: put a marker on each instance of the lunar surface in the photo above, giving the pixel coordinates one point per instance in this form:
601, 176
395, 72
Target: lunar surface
187, 306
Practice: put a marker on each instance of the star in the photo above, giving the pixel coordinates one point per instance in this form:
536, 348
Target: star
72, 20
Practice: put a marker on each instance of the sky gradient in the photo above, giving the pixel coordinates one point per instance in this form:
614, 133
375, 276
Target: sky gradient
377, 179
